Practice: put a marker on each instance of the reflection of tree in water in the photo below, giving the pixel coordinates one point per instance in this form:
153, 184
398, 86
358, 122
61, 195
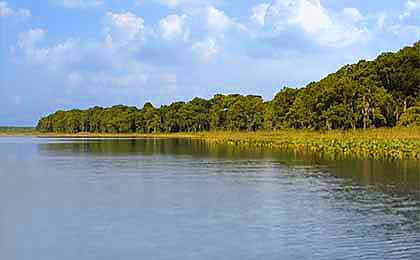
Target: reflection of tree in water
393, 177
120, 147
387, 191
125, 147
390, 176
394, 212
373, 188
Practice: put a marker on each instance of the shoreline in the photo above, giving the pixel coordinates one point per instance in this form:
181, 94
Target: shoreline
97, 135
392, 143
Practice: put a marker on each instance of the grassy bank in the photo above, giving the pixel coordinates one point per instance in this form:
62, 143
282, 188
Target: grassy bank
10, 130
377, 144
396, 143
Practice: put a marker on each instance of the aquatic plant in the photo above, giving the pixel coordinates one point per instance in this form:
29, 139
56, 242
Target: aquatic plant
398, 143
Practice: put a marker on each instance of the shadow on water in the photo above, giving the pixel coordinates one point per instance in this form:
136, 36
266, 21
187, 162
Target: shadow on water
389, 176
395, 185
337, 206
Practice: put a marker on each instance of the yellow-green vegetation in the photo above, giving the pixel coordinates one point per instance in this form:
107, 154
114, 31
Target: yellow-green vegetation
396, 143
384, 92
324, 117
5, 130
385, 143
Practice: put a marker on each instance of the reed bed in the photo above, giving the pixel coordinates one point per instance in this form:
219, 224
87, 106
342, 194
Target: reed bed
393, 143
396, 143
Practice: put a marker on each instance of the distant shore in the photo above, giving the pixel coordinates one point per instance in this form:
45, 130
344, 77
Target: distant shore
393, 143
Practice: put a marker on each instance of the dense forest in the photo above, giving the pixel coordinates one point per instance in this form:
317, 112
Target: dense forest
384, 92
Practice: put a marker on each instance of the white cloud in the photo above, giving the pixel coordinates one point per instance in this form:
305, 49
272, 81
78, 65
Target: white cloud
410, 7
307, 14
183, 3
381, 21
411, 33
205, 27
99, 79
30, 38
173, 27
217, 20
352, 15
258, 13
118, 67
124, 30
6, 11
127, 80
75, 79
209, 21
82, 3
206, 49
171, 3
311, 17
413, 5
58, 55
399, 26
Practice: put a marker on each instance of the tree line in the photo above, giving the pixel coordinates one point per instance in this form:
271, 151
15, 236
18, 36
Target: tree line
384, 92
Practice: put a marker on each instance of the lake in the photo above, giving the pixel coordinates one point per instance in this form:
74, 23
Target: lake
68, 199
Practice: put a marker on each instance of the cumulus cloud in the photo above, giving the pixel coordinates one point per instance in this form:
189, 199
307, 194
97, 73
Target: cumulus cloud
81, 3
183, 3
411, 32
313, 19
57, 55
108, 61
206, 49
413, 5
124, 30
129, 59
6, 11
126, 80
30, 38
217, 20
381, 21
352, 15
205, 28
174, 27
129, 53
258, 13
402, 26
213, 27
172, 3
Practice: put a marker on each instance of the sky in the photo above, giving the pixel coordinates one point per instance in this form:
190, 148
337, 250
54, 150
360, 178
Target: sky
65, 54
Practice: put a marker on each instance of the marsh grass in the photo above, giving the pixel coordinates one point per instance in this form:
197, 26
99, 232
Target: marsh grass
392, 143
7, 130
395, 143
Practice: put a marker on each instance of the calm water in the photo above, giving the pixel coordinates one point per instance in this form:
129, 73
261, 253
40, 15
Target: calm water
174, 199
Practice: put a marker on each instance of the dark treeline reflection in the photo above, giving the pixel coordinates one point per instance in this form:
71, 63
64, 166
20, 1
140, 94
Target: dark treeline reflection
184, 199
127, 147
393, 176
388, 175
371, 205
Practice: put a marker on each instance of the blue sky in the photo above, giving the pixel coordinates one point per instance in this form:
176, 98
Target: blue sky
64, 54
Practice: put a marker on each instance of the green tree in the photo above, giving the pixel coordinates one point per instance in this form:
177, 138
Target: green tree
411, 117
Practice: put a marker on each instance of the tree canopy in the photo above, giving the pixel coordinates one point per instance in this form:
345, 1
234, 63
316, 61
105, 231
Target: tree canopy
384, 92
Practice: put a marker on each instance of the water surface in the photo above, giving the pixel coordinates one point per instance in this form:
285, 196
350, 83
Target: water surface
66, 199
